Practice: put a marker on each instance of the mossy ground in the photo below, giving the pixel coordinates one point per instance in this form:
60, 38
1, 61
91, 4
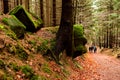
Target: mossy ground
23, 58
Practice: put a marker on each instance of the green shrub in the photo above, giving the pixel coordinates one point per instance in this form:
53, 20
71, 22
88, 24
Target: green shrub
27, 70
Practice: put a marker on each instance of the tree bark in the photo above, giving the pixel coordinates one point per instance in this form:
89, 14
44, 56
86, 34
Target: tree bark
6, 7
41, 11
27, 5
54, 12
64, 36
20, 2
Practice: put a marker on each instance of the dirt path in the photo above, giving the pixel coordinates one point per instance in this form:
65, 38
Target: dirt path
97, 67
108, 67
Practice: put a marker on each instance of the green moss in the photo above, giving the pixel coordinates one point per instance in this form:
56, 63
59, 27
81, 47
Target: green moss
7, 77
18, 50
11, 48
43, 46
78, 30
26, 18
21, 52
10, 33
46, 68
14, 66
43, 78
79, 40
15, 25
33, 42
2, 64
81, 48
36, 77
1, 26
38, 21
28, 71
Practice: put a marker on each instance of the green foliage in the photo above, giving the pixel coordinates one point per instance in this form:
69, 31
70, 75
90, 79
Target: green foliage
46, 68
29, 73
52, 29
33, 42
1, 26
17, 50
14, 66
10, 33
66, 72
42, 78
2, 64
52, 44
43, 46
6, 76
36, 77
78, 65
11, 48
21, 52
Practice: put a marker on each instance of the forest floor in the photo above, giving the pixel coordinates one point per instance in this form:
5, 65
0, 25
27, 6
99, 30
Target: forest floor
94, 66
89, 66
97, 66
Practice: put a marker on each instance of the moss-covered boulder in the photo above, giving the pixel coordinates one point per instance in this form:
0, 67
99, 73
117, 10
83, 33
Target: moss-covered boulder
79, 40
15, 25
31, 23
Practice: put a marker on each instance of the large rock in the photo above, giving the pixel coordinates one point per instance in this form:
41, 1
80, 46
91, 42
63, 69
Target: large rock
30, 23
79, 40
15, 25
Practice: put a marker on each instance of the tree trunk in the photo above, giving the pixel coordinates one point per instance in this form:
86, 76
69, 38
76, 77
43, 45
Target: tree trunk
17, 2
27, 5
6, 7
65, 32
20, 2
54, 12
41, 10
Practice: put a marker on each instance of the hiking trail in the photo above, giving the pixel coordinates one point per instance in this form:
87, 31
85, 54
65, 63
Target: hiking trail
97, 66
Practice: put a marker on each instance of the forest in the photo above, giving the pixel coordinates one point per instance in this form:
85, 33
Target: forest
59, 39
